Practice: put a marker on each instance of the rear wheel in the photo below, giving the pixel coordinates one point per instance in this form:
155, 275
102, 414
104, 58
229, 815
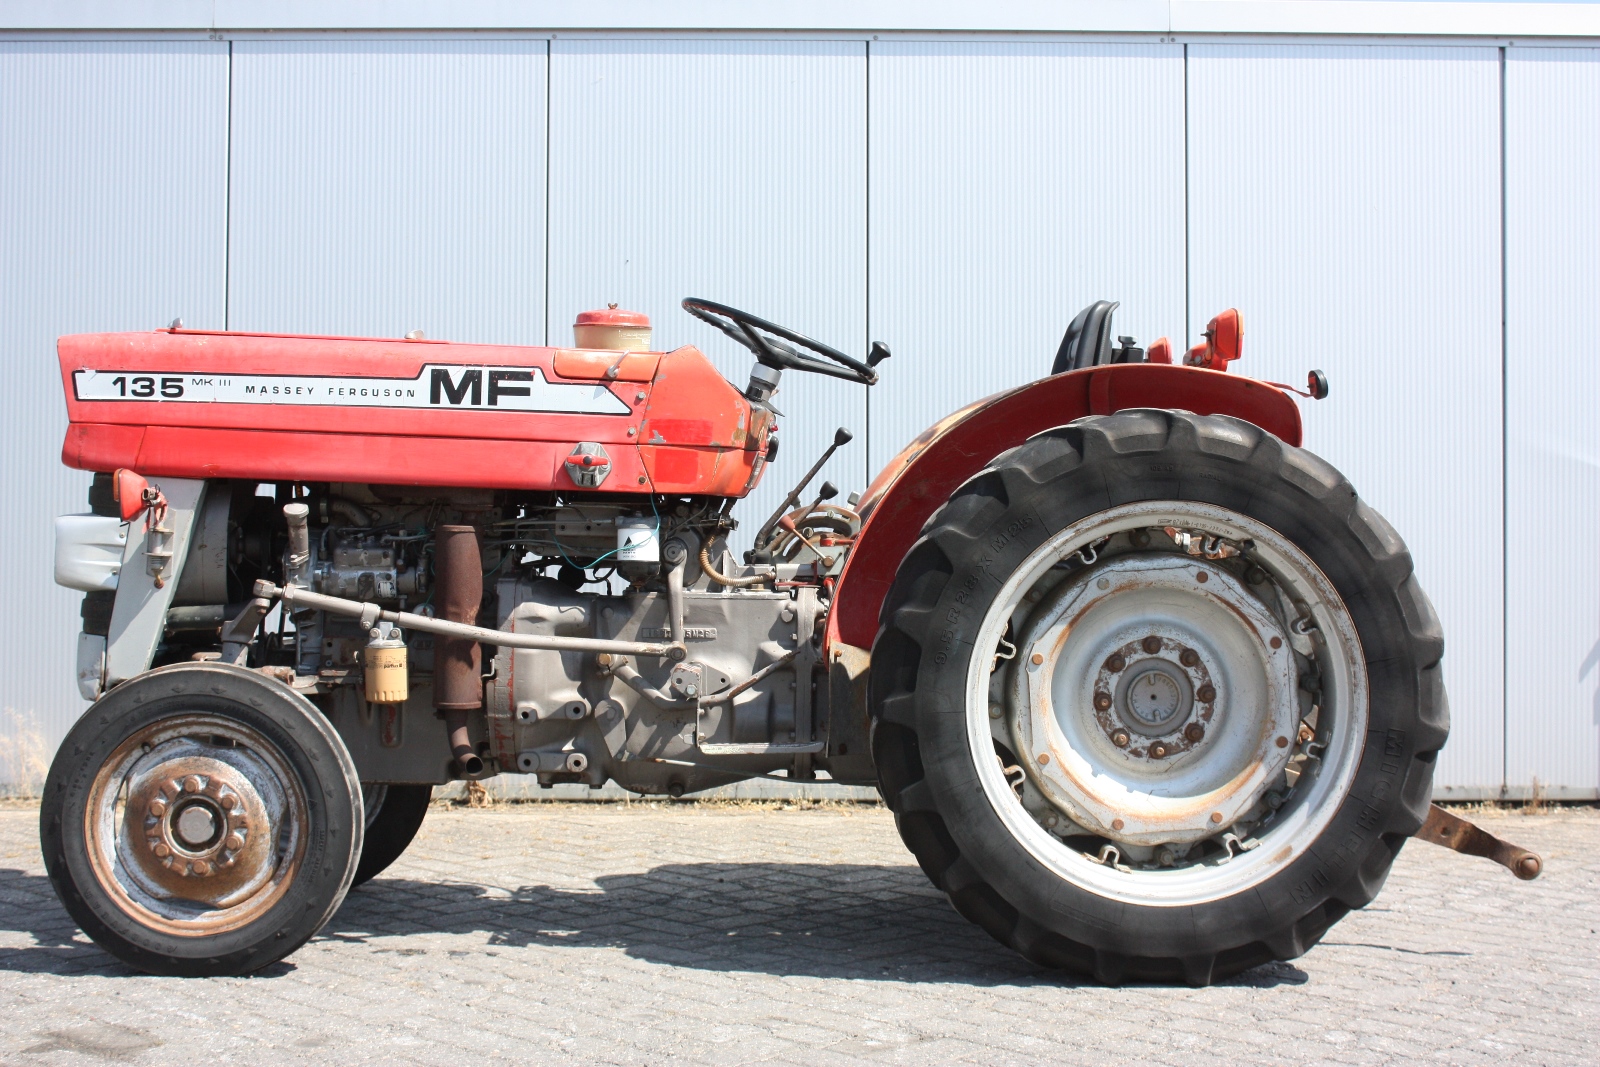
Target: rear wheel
201, 820
394, 815
1157, 698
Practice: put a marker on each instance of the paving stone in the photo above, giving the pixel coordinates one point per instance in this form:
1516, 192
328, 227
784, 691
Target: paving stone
643, 935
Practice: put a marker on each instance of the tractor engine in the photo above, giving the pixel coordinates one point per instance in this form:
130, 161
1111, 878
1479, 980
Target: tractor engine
738, 700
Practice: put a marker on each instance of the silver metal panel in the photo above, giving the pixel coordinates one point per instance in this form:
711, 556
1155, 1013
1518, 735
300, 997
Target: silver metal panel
113, 162
1394, 17
1013, 184
139, 615
730, 170
1346, 199
384, 186
1553, 436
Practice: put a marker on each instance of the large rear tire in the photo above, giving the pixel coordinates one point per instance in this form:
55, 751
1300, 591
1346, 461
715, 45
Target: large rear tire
1156, 697
201, 820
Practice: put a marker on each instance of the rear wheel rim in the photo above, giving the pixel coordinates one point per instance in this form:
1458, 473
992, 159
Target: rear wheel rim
196, 825
1095, 785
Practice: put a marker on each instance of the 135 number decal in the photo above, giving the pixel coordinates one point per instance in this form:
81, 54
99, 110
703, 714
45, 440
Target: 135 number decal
143, 387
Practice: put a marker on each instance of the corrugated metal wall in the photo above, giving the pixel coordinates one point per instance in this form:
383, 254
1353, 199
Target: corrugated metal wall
382, 187
1553, 434
958, 200
1348, 200
1011, 185
113, 215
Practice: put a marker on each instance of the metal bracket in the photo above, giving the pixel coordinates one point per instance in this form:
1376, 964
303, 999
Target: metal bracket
241, 630
1454, 832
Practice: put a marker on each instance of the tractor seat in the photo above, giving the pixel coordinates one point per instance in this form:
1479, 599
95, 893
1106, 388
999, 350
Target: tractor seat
1088, 341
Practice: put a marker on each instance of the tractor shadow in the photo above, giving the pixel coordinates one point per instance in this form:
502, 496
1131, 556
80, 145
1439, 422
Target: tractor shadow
851, 921
847, 921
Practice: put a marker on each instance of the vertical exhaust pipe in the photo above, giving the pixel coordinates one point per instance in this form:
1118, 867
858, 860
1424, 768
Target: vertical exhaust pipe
457, 661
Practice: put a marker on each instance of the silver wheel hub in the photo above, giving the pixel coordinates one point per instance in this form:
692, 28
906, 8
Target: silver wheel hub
1153, 694
1183, 695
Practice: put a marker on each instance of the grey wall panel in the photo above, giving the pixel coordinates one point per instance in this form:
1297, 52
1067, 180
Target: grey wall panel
1013, 184
730, 170
1346, 199
385, 186
1553, 437
112, 211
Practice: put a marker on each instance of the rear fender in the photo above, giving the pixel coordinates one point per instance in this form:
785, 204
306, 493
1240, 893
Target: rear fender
928, 470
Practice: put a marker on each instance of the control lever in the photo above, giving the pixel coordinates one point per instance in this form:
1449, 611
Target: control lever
841, 437
786, 523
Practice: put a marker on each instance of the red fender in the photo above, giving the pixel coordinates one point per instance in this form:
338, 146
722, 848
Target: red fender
918, 481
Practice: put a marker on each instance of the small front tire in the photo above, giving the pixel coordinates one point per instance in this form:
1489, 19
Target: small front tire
394, 815
201, 820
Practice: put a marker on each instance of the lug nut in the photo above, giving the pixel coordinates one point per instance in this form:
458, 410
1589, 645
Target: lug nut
1119, 738
1158, 751
158, 807
1189, 658
1151, 644
1206, 693
191, 784
1102, 700
1115, 662
1194, 732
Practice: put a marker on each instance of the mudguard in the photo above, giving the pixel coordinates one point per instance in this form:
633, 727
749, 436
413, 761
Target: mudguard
929, 469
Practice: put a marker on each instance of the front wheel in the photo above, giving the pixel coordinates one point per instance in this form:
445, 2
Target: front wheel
1157, 698
201, 820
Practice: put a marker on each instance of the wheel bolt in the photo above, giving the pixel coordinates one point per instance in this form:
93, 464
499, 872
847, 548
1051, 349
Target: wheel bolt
1116, 662
1102, 700
1151, 644
234, 843
226, 801
162, 850
1116, 824
201, 867
1119, 738
1194, 731
1206, 694
1158, 751
158, 807
191, 784
1189, 658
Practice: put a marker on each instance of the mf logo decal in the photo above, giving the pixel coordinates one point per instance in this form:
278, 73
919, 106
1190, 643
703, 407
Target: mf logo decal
438, 386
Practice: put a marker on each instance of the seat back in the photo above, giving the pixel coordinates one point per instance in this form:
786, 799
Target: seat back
1088, 339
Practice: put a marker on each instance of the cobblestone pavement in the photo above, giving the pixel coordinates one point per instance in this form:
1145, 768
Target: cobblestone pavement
636, 934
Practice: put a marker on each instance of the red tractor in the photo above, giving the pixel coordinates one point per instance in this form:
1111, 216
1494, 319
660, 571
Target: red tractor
1152, 694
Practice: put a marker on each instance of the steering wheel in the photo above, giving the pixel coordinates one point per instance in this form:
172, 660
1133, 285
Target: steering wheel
776, 346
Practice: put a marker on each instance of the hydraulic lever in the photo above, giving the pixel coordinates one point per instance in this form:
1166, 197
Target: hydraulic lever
841, 437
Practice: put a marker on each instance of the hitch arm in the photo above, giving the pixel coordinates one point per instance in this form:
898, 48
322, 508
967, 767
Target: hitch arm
1454, 832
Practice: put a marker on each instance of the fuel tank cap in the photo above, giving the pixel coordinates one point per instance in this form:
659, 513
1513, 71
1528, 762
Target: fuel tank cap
613, 329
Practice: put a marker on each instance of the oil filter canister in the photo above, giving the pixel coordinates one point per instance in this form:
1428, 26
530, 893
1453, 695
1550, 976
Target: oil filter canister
385, 670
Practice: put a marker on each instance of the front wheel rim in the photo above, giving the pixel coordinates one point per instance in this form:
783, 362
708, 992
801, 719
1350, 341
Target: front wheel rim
1173, 807
196, 825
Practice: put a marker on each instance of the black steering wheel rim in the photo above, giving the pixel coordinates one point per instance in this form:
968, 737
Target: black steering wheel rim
778, 350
